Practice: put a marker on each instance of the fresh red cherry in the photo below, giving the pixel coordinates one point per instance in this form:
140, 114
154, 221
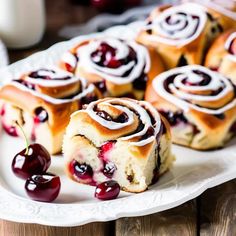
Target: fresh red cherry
132, 2
35, 160
107, 190
107, 4
43, 188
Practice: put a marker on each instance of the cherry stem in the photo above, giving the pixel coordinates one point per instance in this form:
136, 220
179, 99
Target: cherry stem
26, 139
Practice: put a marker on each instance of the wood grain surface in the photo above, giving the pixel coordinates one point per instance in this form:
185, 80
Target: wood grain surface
213, 213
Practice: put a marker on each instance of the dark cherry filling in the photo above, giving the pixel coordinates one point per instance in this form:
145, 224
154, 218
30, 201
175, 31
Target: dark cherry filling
88, 99
36, 75
101, 85
204, 81
81, 171
108, 167
26, 84
149, 133
120, 119
41, 115
220, 116
177, 118
174, 118
140, 83
233, 128
105, 56
182, 61
156, 170
232, 47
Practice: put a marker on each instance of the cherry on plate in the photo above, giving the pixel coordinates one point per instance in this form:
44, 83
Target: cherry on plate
107, 190
43, 188
34, 159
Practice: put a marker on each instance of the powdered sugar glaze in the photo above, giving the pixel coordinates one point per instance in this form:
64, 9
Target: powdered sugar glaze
187, 96
114, 75
128, 107
178, 25
54, 77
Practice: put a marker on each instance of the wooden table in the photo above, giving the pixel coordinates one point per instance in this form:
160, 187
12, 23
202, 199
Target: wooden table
212, 213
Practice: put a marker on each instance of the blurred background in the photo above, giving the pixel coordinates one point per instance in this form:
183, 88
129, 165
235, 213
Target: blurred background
33, 25
28, 26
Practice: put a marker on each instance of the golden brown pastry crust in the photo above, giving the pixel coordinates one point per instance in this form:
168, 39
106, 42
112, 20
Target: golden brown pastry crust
212, 131
217, 57
27, 101
84, 143
192, 52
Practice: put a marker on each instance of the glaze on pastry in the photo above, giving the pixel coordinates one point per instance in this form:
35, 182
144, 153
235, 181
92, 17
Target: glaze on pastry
116, 67
41, 102
199, 103
222, 55
181, 34
120, 139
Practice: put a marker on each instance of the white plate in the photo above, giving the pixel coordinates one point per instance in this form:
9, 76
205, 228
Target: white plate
192, 173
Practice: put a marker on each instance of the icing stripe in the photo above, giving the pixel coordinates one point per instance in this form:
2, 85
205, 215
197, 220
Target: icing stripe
177, 94
133, 69
56, 79
228, 43
178, 25
128, 106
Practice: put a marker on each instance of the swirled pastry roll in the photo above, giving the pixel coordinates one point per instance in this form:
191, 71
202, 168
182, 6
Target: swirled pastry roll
199, 103
116, 67
120, 139
41, 102
222, 55
226, 8
181, 34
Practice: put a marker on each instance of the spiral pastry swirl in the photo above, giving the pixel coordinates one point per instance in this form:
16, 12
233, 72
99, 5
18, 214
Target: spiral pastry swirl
115, 60
196, 87
178, 25
230, 46
117, 139
54, 85
135, 121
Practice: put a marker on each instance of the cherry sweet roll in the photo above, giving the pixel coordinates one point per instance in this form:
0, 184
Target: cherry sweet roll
42, 102
222, 55
181, 34
225, 9
116, 67
199, 104
120, 139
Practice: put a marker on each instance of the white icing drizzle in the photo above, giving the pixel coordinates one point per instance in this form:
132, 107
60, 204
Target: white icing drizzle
128, 106
181, 29
219, 7
85, 89
228, 44
115, 75
178, 96
69, 59
56, 76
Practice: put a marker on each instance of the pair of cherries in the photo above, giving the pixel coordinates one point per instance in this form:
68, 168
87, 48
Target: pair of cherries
31, 165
